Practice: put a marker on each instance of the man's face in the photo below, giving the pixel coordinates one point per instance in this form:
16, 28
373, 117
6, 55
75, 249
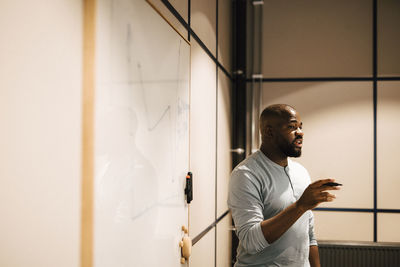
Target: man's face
289, 135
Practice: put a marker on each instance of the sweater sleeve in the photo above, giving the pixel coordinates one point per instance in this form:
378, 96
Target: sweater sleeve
246, 205
311, 233
313, 240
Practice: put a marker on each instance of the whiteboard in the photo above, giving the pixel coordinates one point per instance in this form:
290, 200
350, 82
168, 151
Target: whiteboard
141, 136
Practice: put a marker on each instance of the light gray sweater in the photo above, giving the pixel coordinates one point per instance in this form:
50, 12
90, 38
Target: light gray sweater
258, 190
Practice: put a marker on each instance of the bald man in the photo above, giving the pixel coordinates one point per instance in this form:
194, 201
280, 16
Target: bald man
270, 197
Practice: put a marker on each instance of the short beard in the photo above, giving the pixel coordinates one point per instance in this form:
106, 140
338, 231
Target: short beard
290, 151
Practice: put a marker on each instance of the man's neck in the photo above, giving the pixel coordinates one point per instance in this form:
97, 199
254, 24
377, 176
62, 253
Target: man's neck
275, 155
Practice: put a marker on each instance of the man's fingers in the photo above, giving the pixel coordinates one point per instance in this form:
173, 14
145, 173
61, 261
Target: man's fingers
324, 188
326, 197
319, 183
317, 193
330, 199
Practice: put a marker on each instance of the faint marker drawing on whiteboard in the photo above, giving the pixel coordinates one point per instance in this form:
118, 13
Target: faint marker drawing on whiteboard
142, 128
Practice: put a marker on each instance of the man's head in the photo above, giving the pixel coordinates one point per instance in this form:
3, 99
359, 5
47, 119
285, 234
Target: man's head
281, 130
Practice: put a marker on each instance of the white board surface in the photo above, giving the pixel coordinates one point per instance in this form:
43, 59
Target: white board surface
141, 136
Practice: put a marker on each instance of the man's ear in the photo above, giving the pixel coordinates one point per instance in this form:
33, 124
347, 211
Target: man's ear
268, 131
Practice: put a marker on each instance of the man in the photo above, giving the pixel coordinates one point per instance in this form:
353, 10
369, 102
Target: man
271, 197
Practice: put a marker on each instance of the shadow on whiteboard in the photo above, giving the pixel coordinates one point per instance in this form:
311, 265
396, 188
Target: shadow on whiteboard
141, 136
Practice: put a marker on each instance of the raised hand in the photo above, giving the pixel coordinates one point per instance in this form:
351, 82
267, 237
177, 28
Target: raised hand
316, 193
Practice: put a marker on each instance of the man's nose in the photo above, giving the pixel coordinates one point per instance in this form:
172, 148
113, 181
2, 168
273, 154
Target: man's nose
299, 132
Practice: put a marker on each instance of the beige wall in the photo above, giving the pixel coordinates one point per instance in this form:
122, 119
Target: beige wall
40, 140
388, 143
311, 39
211, 131
202, 140
388, 159
389, 38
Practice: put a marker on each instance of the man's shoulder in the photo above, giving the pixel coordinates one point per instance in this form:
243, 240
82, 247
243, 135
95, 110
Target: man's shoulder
252, 168
250, 164
247, 174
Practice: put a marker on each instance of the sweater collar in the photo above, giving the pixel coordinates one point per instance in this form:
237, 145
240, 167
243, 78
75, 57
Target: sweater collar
276, 165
